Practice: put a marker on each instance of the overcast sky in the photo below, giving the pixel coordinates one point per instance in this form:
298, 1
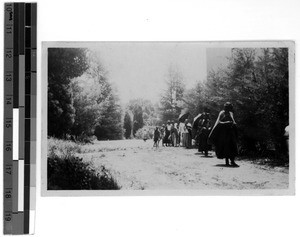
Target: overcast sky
139, 70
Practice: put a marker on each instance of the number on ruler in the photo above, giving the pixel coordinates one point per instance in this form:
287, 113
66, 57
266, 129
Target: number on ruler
7, 216
8, 77
8, 146
8, 169
8, 53
7, 194
9, 9
8, 123
8, 29
8, 100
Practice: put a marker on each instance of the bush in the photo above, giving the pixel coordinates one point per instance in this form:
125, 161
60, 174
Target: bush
65, 171
145, 132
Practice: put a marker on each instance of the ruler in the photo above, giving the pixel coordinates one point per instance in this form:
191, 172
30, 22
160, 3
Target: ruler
19, 158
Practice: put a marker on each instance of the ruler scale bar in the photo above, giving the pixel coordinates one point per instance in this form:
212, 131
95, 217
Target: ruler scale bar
21, 186
16, 56
27, 174
20, 25
8, 106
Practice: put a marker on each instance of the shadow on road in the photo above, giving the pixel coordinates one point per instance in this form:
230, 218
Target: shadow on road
203, 156
226, 166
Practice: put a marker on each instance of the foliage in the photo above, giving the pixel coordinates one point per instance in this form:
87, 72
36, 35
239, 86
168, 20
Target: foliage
87, 111
127, 125
109, 120
256, 83
67, 172
63, 65
110, 124
82, 101
144, 113
145, 132
172, 97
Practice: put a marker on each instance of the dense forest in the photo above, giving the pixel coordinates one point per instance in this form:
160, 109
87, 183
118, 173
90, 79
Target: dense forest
82, 102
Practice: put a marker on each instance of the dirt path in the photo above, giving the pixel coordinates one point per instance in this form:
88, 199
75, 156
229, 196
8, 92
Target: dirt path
137, 165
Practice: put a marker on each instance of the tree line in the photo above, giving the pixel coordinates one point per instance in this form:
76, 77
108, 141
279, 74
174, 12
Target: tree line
81, 100
256, 82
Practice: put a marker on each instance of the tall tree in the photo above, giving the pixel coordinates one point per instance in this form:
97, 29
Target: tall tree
64, 64
172, 97
144, 113
127, 125
256, 82
109, 121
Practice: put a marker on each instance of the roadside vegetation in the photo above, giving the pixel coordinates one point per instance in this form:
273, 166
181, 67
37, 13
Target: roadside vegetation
66, 171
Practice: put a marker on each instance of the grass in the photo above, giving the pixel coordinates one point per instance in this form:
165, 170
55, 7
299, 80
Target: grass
66, 171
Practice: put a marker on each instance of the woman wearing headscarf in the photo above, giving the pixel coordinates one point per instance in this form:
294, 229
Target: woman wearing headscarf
224, 135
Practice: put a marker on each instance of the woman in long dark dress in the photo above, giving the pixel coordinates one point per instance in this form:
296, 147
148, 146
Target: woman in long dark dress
224, 135
203, 132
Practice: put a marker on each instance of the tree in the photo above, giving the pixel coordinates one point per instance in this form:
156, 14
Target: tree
64, 64
82, 101
127, 125
144, 113
136, 107
109, 126
109, 119
256, 82
87, 110
172, 96
137, 119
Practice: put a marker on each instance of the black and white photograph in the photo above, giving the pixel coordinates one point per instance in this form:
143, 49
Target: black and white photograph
163, 117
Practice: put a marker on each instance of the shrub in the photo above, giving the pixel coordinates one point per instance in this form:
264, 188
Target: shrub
145, 132
65, 171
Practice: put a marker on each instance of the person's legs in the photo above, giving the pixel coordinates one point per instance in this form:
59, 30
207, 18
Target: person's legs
227, 161
233, 162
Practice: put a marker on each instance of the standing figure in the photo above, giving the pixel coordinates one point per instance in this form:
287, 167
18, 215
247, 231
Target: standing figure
162, 134
174, 135
188, 134
181, 131
162, 131
176, 125
167, 134
224, 135
156, 137
204, 128
286, 136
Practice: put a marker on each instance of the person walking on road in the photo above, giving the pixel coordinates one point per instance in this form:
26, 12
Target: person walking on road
188, 134
224, 135
156, 137
203, 132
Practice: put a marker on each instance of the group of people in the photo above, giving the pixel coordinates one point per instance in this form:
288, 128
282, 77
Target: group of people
174, 134
223, 135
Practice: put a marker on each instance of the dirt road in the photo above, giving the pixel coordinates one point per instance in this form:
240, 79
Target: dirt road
136, 165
